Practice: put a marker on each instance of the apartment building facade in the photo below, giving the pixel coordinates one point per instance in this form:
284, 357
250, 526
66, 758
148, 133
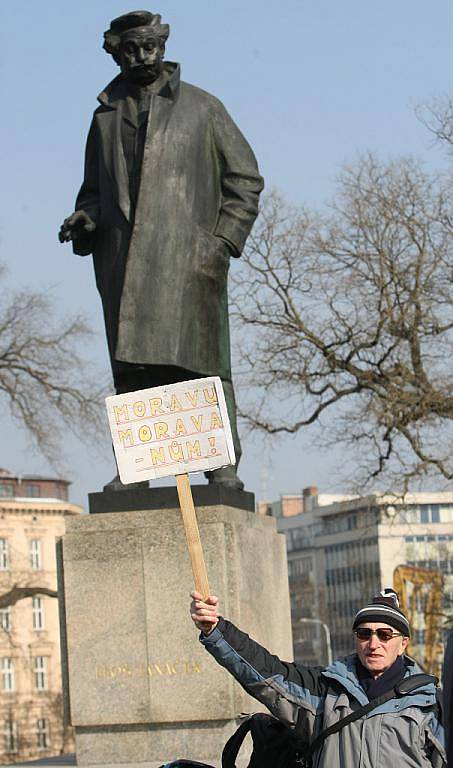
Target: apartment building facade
343, 549
32, 518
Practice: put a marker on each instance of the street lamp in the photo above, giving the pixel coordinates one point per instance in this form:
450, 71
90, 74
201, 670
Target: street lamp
327, 633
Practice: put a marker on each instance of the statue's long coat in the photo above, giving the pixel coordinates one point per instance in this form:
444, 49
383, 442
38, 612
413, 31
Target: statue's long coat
162, 273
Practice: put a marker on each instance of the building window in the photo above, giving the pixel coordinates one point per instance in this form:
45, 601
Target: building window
42, 733
35, 555
10, 736
61, 491
6, 489
7, 667
41, 673
419, 637
429, 513
33, 490
5, 619
38, 613
4, 555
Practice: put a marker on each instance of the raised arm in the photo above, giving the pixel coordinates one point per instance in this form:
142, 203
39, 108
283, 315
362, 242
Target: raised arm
284, 687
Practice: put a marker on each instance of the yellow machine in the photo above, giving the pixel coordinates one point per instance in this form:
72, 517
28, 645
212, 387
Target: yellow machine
420, 591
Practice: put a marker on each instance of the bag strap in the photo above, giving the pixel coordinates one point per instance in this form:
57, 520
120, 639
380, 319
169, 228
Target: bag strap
405, 686
234, 743
260, 726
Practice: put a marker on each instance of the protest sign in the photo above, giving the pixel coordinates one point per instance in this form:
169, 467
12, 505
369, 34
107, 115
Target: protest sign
173, 430
170, 430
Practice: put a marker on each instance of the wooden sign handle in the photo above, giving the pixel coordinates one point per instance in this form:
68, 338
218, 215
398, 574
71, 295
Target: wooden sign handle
192, 535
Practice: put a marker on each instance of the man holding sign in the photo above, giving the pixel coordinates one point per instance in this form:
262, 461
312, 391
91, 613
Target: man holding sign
170, 194
374, 708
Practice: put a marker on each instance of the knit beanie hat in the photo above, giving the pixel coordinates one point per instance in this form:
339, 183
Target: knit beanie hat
384, 607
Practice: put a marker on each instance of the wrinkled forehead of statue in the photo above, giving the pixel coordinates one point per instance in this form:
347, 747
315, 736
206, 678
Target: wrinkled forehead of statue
136, 23
139, 35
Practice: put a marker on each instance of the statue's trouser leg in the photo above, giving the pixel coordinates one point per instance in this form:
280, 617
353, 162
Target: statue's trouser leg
231, 408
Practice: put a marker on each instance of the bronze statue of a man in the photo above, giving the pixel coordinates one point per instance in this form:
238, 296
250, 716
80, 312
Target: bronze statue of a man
170, 193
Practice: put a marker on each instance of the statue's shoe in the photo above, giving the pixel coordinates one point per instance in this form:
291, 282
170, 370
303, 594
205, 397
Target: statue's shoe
227, 477
117, 485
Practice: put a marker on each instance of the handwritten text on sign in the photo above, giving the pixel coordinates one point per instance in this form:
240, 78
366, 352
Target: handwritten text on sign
169, 430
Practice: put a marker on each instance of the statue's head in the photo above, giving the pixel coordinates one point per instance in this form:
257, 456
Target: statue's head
137, 43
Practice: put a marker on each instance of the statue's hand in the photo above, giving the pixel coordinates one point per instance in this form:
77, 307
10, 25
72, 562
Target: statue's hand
76, 225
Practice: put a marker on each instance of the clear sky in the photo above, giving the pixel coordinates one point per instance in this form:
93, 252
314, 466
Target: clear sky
310, 83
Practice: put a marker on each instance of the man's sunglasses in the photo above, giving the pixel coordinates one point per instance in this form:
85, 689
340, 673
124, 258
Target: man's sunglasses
383, 634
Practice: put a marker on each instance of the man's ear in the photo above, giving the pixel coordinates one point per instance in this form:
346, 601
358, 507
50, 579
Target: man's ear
404, 644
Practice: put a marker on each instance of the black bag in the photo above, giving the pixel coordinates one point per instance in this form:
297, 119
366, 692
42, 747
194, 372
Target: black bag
274, 745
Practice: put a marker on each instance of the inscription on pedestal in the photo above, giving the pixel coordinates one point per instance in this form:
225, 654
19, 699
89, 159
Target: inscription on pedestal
152, 669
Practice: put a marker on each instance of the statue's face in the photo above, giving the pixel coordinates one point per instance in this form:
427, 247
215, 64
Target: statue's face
141, 54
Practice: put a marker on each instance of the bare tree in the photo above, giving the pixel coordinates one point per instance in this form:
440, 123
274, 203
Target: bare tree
437, 116
17, 593
346, 321
46, 384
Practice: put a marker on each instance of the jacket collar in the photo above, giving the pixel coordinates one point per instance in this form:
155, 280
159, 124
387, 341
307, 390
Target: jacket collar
118, 90
345, 672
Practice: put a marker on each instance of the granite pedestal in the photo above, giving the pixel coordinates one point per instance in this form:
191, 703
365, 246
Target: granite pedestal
139, 687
